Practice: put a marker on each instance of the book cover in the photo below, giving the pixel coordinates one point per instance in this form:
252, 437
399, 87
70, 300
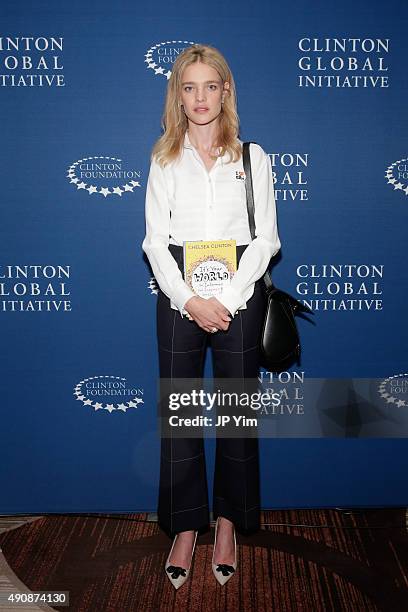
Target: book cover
209, 265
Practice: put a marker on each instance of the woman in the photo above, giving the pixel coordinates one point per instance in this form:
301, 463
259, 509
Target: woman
196, 191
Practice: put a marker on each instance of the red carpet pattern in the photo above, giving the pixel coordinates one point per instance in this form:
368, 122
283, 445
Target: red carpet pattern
302, 560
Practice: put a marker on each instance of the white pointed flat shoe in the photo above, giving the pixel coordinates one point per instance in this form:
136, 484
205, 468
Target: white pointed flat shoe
176, 574
222, 571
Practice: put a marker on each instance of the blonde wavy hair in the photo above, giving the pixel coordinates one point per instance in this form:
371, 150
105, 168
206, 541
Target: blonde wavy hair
174, 121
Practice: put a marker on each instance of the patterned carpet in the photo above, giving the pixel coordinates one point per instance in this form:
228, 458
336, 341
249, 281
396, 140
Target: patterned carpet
302, 560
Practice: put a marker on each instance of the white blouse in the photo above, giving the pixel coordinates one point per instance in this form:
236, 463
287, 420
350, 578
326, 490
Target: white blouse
185, 201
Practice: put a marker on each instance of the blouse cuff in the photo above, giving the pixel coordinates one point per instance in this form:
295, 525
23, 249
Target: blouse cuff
181, 296
231, 299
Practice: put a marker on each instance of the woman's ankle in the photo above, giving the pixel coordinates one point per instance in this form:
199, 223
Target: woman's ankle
226, 522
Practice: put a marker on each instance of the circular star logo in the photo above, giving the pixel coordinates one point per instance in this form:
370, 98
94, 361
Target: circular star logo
160, 57
152, 285
101, 172
394, 389
397, 171
102, 387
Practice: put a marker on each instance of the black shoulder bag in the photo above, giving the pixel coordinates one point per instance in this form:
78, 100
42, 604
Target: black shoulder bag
280, 343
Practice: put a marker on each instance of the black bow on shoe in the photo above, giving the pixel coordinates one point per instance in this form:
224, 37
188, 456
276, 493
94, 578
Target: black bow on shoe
225, 569
176, 571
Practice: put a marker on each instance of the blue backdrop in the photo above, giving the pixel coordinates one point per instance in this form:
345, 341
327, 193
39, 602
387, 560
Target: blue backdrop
322, 86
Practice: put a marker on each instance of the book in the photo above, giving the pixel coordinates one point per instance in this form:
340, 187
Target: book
209, 265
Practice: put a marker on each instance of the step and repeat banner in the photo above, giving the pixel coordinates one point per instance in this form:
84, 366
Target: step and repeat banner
322, 87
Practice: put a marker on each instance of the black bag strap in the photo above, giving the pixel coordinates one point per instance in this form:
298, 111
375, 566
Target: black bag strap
250, 203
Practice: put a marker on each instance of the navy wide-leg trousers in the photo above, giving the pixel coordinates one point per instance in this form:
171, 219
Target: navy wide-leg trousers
183, 492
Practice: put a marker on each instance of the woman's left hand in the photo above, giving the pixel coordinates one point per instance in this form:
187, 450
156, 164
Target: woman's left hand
222, 314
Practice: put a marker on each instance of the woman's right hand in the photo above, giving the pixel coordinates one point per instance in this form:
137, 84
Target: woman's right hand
208, 313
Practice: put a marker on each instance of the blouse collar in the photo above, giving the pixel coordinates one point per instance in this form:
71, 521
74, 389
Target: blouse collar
188, 145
